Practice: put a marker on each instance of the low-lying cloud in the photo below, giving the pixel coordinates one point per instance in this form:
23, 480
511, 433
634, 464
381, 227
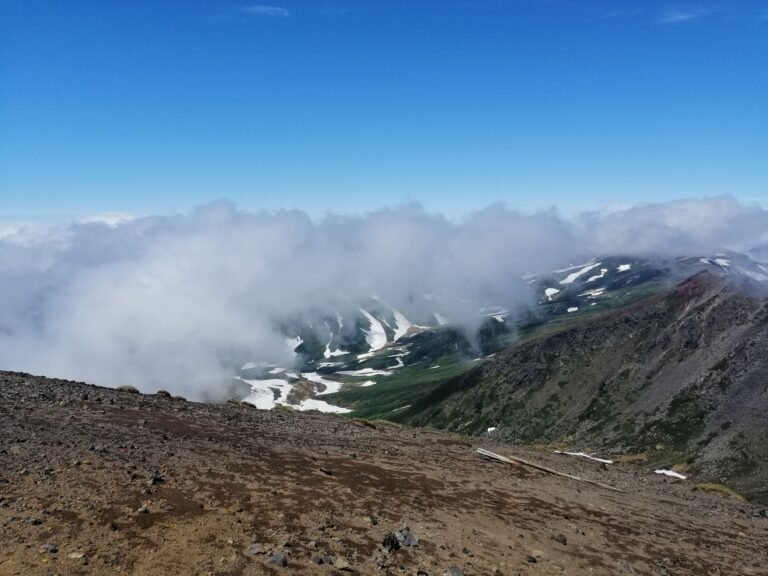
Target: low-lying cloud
176, 301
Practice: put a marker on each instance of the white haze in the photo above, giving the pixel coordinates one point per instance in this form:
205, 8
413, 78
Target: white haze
175, 302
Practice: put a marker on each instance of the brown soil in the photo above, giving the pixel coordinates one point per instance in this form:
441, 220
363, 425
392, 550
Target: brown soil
77, 464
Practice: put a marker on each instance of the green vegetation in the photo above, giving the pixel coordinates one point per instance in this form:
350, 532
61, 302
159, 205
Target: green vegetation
129, 389
393, 393
719, 489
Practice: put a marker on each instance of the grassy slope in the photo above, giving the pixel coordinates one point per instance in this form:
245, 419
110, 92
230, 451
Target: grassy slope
402, 388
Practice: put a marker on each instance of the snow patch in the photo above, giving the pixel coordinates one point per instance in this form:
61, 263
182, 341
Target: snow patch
331, 386
263, 392
312, 404
671, 473
624, 267
365, 372
593, 293
331, 353
441, 320
402, 325
491, 429
368, 383
550, 292
574, 275
603, 272
573, 309
376, 336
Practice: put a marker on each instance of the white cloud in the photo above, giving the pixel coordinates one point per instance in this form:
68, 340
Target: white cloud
267, 11
111, 219
177, 301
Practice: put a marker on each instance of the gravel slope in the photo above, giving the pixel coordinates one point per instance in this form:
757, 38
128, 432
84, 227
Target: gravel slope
97, 481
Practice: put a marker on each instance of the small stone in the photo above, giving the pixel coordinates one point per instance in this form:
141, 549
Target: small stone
454, 570
406, 538
256, 549
531, 559
143, 509
154, 477
35, 521
560, 539
49, 548
341, 564
391, 542
277, 559
326, 471
422, 573
75, 555
324, 559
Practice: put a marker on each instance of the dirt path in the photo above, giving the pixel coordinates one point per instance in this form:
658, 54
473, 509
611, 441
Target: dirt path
121, 483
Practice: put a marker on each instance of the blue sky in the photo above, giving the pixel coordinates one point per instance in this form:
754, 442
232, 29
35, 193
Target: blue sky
146, 107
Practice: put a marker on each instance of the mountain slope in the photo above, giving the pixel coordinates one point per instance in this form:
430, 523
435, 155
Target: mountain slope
681, 376
99, 481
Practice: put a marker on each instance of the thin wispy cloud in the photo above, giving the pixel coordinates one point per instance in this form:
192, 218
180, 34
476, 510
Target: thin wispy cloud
627, 13
675, 16
267, 11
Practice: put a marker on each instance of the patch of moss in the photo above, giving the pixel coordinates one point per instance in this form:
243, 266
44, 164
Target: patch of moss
719, 489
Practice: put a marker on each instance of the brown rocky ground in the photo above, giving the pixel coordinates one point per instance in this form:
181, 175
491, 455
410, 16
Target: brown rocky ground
97, 481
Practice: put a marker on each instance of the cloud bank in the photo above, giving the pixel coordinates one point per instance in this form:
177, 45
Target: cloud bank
175, 302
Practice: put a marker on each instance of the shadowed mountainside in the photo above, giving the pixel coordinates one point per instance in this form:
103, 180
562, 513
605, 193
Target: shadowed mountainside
681, 376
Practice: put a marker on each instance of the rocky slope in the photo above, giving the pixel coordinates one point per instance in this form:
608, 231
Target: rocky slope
681, 376
101, 481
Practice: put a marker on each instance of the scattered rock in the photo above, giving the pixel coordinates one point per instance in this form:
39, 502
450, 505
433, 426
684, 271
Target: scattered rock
35, 521
531, 559
324, 559
560, 539
391, 542
277, 559
75, 555
326, 471
143, 509
256, 549
154, 477
49, 548
453, 570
